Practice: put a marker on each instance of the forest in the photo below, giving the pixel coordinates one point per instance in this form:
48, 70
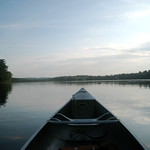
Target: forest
5, 75
140, 75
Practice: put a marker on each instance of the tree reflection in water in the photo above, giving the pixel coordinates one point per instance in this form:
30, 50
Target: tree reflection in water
5, 89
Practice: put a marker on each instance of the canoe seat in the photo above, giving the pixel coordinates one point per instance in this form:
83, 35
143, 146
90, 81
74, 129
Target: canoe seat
105, 118
62, 117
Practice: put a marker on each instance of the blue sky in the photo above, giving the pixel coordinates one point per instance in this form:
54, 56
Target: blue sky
47, 38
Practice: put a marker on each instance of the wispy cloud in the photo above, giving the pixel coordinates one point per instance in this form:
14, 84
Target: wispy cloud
137, 14
87, 57
86, 60
32, 24
11, 26
93, 54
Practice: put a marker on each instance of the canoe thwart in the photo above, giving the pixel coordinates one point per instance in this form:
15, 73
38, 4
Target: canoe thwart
98, 120
84, 122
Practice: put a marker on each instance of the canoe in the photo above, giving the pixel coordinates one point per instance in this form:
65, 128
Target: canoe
83, 124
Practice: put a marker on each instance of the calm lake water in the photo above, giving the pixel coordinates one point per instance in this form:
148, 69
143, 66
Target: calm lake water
24, 107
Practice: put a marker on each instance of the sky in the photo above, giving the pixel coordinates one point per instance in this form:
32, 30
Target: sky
48, 38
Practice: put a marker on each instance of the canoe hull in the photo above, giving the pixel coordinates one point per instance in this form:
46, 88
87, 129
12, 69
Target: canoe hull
74, 127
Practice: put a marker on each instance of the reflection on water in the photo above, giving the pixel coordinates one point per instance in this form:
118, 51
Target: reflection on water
140, 83
29, 105
4, 90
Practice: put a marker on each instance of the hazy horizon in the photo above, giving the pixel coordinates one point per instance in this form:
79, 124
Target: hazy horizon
78, 75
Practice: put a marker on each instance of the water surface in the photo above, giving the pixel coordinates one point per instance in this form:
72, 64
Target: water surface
26, 106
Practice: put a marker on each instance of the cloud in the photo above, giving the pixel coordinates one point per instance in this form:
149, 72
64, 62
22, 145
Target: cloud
94, 60
11, 26
140, 39
137, 14
33, 24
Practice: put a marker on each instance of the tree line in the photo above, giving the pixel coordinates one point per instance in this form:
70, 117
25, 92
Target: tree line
140, 75
5, 75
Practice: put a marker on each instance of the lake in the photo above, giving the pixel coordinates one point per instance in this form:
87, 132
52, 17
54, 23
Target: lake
24, 107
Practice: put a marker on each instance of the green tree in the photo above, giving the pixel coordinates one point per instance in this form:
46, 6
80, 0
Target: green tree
5, 75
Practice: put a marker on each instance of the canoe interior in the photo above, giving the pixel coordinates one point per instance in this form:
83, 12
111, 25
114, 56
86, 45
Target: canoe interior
107, 132
83, 109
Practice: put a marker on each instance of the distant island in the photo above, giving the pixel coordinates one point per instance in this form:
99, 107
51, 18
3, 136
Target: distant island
124, 76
